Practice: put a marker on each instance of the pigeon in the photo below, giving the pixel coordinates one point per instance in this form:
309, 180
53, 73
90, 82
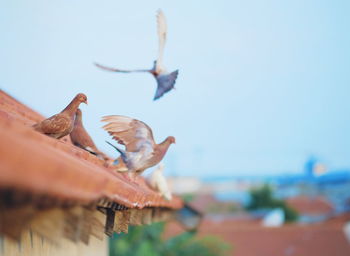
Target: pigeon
141, 151
158, 182
82, 139
61, 124
165, 80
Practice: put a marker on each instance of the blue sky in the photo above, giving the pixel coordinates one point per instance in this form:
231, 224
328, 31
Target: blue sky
262, 84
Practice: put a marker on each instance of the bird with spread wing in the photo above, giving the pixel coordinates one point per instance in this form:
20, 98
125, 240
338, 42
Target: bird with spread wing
141, 151
165, 80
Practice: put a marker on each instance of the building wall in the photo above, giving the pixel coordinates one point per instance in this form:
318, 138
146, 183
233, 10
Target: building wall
32, 244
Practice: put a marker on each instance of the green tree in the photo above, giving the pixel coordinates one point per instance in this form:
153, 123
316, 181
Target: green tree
262, 198
147, 241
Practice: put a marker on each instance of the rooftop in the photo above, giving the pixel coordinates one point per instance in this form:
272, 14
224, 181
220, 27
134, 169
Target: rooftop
46, 172
250, 238
311, 205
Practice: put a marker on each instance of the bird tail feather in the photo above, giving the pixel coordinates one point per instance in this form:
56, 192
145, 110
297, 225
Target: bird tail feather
122, 152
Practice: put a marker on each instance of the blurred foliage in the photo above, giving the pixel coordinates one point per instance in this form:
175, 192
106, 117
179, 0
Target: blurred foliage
222, 208
148, 241
262, 198
187, 197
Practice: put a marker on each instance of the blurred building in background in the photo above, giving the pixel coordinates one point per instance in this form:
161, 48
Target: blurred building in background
319, 195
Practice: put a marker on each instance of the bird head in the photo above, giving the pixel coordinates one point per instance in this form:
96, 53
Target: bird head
171, 139
82, 98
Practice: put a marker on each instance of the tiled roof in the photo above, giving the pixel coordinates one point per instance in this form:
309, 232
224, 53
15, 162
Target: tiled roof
252, 239
339, 220
40, 165
311, 205
209, 204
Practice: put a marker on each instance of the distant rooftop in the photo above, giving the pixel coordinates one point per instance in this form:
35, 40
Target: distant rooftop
249, 238
311, 205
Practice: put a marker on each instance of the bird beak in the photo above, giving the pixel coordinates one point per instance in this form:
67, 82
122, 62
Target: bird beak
86, 102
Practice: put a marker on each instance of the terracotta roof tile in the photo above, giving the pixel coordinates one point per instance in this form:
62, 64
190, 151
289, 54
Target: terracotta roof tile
39, 164
311, 205
252, 239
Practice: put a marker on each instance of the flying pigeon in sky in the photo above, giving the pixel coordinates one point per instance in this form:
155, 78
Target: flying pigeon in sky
141, 151
61, 124
165, 80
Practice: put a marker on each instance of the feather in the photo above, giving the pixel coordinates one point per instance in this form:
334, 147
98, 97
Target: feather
165, 80
141, 151
61, 124
165, 83
162, 33
158, 182
82, 139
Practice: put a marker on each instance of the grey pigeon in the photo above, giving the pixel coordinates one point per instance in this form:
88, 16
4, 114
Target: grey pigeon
141, 151
165, 80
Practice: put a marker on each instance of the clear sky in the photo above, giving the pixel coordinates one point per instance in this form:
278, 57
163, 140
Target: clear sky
262, 84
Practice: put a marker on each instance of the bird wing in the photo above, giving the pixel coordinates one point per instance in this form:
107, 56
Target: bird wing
119, 70
165, 83
82, 139
129, 132
162, 31
54, 124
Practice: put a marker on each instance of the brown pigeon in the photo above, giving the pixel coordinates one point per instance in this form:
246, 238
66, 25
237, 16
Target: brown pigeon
61, 124
165, 80
141, 150
82, 139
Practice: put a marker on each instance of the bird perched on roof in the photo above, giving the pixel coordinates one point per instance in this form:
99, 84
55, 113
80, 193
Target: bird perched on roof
165, 80
82, 139
158, 182
61, 124
141, 151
